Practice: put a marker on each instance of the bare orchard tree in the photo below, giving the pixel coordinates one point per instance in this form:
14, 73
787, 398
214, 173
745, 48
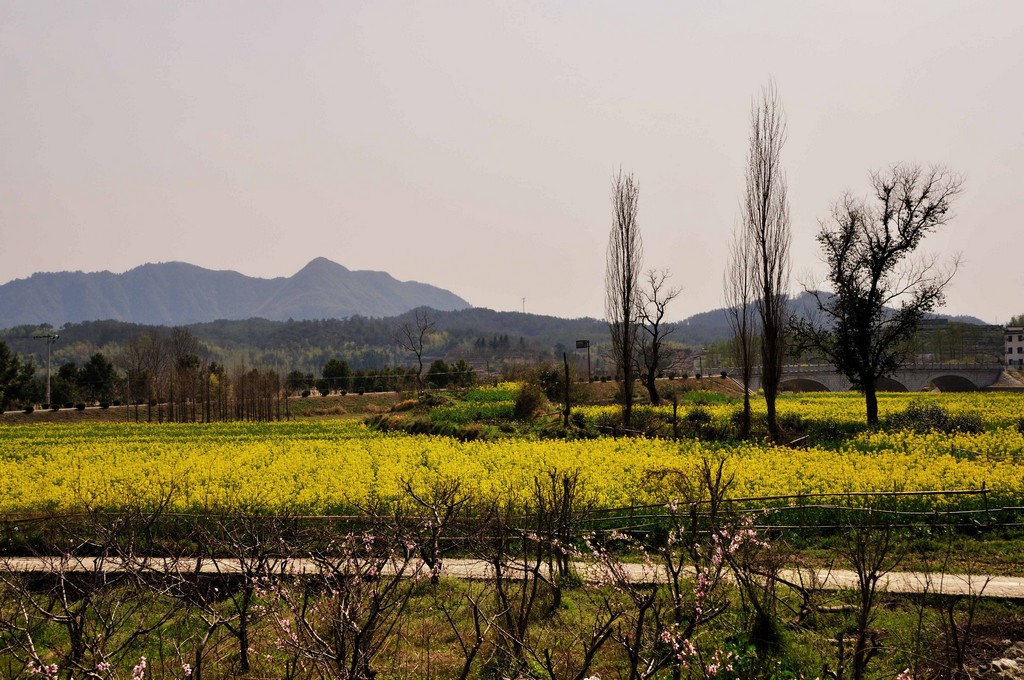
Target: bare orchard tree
652, 355
412, 337
145, 359
622, 282
738, 284
879, 290
766, 212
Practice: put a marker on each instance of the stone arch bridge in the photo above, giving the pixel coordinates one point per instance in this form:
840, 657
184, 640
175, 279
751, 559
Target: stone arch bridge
910, 378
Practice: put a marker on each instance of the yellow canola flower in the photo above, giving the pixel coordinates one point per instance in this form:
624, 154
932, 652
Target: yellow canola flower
332, 466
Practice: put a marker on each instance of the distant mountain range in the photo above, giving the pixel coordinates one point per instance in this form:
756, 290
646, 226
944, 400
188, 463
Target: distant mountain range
177, 293
327, 303
710, 327
322, 312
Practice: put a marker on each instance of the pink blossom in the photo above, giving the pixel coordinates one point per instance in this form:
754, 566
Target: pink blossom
139, 672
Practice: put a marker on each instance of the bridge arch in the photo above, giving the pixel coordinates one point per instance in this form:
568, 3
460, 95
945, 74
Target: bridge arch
803, 385
890, 385
953, 383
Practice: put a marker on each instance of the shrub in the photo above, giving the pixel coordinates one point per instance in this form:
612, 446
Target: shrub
609, 421
29, 409
647, 421
54, 407
921, 418
724, 374
104, 405
699, 415
528, 401
970, 423
793, 425
305, 393
80, 406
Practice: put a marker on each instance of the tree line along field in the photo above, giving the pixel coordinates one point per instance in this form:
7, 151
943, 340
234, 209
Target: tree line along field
324, 466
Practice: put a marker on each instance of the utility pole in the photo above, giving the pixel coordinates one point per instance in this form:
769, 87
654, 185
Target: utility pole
50, 339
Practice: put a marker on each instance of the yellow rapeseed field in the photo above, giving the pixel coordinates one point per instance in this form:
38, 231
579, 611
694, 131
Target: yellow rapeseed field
326, 467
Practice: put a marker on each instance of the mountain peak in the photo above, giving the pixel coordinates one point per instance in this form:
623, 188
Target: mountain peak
174, 293
320, 265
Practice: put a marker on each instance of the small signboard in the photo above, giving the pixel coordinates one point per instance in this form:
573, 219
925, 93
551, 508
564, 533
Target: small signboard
582, 344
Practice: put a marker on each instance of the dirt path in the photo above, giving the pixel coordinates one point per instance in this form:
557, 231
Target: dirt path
1010, 587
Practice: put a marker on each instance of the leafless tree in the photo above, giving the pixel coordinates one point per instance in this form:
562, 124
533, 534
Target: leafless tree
445, 501
185, 371
340, 616
241, 552
516, 559
766, 213
560, 504
869, 252
451, 602
412, 337
873, 549
659, 628
651, 350
146, 360
622, 282
93, 592
738, 284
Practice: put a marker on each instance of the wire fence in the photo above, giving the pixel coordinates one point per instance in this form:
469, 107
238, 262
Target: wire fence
957, 509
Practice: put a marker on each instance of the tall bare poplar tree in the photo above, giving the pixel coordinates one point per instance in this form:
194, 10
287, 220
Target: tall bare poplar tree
766, 213
622, 282
738, 284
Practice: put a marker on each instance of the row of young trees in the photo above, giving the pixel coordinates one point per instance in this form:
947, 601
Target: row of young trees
879, 288
171, 373
162, 378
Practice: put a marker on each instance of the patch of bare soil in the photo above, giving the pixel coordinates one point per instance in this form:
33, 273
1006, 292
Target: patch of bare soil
69, 416
995, 650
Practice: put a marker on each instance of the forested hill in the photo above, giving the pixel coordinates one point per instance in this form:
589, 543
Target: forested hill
481, 334
176, 293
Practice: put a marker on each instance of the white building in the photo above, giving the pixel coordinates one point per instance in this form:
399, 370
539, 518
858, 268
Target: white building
1014, 343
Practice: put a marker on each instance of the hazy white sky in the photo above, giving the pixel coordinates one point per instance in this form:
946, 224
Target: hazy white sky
471, 145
